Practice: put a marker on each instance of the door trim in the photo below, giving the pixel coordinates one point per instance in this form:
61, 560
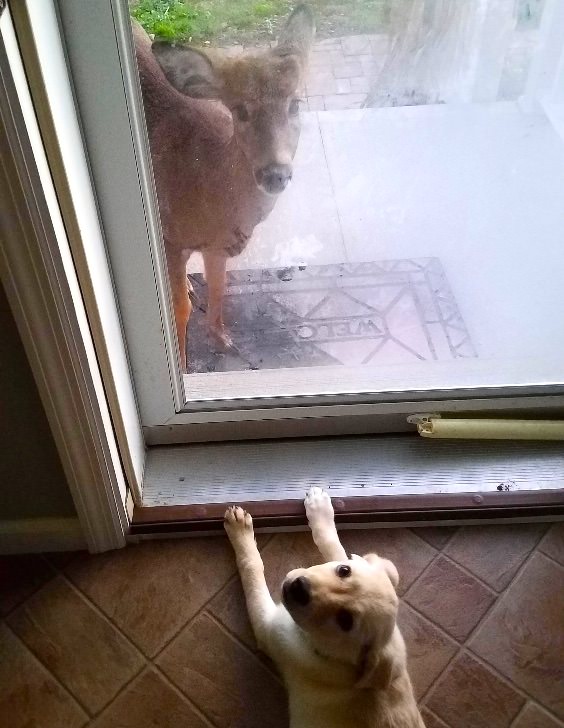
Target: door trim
43, 292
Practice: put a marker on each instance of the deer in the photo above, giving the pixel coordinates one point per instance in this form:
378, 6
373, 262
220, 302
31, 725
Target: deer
223, 132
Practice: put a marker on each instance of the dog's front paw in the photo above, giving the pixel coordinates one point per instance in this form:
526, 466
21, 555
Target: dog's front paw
319, 508
239, 525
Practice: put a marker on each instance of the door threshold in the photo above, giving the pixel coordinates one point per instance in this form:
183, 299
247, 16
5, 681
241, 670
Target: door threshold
373, 481
361, 512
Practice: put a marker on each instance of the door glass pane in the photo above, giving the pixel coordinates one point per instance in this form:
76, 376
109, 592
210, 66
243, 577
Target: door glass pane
358, 195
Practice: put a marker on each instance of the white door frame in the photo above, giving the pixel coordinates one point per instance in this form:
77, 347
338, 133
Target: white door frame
41, 283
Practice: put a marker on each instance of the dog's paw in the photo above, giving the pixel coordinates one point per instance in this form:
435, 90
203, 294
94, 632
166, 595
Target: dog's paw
319, 508
238, 524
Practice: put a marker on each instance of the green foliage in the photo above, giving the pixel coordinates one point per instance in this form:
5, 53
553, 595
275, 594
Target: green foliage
224, 22
170, 19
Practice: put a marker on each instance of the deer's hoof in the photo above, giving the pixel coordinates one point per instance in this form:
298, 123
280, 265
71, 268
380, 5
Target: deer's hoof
221, 338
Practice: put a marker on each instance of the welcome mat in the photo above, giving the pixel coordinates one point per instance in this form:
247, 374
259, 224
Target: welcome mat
385, 312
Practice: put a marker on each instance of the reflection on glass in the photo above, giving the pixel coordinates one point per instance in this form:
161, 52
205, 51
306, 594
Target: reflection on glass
384, 192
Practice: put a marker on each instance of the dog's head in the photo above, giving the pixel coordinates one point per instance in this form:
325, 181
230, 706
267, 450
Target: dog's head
348, 609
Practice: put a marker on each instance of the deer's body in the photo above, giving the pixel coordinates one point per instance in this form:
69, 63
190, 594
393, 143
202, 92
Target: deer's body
217, 175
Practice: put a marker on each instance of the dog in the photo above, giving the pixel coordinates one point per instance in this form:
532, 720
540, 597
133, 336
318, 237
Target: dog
334, 638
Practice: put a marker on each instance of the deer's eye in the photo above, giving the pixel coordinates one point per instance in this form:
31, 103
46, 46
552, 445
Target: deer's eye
294, 106
241, 112
343, 571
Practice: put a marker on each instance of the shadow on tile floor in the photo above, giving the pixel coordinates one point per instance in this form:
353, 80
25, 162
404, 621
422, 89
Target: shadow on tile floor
157, 634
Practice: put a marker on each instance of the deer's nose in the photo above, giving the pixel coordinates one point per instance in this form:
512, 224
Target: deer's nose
274, 177
297, 591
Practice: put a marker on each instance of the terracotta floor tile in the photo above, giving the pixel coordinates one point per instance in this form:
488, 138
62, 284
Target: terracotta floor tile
450, 598
471, 696
437, 536
151, 590
287, 551
535, 717
84, 651
523, 637
495, 553
29, 696
553, 543
409, 553
429, 650
229, 608
20, 576
149, 702
431, 720
229, 685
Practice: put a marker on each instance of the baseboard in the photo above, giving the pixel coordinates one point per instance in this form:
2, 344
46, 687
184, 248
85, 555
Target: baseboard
34, 535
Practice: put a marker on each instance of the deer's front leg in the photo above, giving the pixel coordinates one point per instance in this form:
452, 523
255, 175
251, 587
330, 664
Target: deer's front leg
260, 606
321, 519
215, 265
176, 264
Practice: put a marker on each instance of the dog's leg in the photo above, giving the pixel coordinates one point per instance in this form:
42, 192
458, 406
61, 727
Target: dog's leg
321, 519
260, 606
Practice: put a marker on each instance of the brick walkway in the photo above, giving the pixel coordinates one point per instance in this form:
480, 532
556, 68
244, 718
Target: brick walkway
341, 70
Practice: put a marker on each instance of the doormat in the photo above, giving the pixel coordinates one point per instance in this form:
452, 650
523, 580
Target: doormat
355, 314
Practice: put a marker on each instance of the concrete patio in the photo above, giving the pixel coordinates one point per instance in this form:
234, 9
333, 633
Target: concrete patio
475, 186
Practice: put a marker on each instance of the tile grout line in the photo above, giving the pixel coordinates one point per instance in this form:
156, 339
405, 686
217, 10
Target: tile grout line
193, 617
182, 695
122, 689
420, 576
51, 674
436, 626
465, 644
130, 639
519, 714
471, 574
551, 559
105, 618
101, 613
515, 687
34, 592
546, 534
246, 647
205, 605
499, 592
462, 646
437, 717
110, 620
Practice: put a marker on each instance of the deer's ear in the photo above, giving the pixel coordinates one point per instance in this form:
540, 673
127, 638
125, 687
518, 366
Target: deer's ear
298, 34
188, 70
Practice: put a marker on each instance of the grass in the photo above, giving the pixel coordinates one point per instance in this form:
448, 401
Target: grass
226, 22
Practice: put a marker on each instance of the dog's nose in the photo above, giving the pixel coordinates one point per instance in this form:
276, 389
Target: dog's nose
298, 591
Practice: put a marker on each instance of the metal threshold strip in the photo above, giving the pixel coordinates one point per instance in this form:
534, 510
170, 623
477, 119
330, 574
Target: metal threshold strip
376, 480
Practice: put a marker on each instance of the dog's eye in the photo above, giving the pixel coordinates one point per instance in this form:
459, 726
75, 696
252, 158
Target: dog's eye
343, 571
241, 112
345, 620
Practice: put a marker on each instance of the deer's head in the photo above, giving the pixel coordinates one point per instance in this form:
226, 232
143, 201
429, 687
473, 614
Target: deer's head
259, 90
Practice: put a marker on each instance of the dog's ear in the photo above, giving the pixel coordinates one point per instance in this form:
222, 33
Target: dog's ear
377, 669
388, 567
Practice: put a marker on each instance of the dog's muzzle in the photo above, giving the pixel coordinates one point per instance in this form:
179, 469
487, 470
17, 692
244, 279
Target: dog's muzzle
297, 591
